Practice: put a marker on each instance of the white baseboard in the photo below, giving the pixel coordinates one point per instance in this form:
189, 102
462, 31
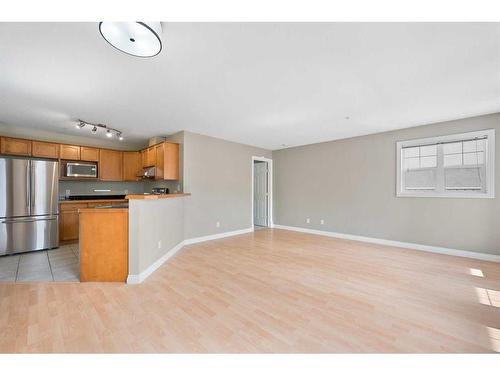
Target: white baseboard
137, 279
406, 245
211, 237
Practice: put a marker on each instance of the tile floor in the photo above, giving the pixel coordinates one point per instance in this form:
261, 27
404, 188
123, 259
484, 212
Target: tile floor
61, 264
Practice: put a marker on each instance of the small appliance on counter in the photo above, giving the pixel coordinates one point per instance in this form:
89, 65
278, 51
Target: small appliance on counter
159, 190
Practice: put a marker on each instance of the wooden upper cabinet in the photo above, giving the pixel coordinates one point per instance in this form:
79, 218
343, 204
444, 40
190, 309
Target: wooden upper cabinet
171, 161
149, 157
113, 165
143, 158
159, 163
45, 149
69, 152
167, 161
132, 164
110, 165
89, 153
15, 146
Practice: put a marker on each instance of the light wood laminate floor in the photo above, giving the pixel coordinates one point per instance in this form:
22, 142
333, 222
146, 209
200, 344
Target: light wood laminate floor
268, 291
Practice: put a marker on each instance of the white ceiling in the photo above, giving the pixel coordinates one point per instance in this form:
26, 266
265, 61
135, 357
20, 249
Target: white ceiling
264, 84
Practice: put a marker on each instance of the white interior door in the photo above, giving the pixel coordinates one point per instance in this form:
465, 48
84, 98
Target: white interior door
260, 193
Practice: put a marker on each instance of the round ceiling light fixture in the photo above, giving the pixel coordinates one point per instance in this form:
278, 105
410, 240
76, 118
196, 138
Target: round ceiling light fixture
141, 39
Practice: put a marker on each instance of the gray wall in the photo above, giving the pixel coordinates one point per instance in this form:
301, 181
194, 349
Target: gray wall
151, 221
351, 184
218, 173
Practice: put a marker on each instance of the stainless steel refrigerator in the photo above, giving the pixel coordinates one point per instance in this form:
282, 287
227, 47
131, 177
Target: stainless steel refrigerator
29, 193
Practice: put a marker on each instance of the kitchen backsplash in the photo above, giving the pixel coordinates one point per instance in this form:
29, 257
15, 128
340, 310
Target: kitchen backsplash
100, 187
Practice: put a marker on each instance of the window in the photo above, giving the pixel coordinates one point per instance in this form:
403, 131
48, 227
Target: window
459, 165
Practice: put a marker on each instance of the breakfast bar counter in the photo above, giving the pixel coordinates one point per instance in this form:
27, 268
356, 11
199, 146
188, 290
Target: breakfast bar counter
156, 196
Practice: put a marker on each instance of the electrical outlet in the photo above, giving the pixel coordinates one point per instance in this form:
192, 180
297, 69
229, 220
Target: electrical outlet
178, 187
68, 192
126, 191
308, 221
217, 224
159, 244
322, 222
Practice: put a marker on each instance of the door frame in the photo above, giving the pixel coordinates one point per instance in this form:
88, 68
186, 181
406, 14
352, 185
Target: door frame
269, 189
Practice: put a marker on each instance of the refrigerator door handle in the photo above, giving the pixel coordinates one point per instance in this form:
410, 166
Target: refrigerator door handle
33, 188
28, 220
28, 191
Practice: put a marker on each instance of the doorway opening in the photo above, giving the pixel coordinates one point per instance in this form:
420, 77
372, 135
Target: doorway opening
261, 192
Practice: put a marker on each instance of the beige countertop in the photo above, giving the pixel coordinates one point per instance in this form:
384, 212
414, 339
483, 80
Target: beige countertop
103, 210
92, 201
156, 196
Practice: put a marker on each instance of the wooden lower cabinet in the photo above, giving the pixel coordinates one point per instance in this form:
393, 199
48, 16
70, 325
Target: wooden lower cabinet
69, 218
68, 221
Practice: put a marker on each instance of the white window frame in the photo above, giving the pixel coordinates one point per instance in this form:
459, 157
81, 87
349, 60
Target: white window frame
489, 165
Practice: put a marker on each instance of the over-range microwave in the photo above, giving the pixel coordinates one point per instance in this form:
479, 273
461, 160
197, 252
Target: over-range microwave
79, 169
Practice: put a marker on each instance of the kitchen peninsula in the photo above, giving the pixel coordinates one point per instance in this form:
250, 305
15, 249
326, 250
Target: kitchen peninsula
122, 242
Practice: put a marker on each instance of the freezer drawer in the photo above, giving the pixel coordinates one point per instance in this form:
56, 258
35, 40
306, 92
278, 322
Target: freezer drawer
27, 234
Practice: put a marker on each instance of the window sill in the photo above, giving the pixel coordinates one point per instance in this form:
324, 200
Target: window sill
456, 195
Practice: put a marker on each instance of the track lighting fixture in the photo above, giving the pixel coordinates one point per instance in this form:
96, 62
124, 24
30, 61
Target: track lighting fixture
110, 132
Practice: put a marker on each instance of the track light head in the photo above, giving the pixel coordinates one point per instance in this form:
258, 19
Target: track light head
94, 129
109, 134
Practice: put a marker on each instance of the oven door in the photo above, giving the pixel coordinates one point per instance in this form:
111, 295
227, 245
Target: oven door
88, 170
